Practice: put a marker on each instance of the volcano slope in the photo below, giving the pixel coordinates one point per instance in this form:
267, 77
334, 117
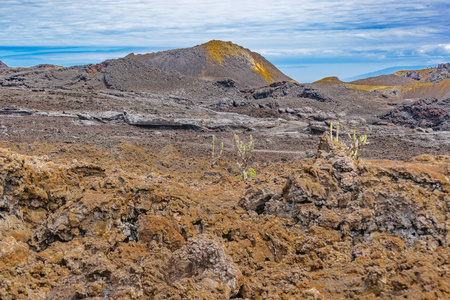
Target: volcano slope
216, 60
107, 190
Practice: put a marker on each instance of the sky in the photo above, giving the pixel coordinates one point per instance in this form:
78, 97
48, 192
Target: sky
307, 40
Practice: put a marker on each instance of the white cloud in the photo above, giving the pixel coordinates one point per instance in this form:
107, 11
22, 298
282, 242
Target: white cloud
348, 29
447, 48
286, 52
435, 49
144, 22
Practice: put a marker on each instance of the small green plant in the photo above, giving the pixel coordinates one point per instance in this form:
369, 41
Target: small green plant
244, 153
356, 148
250, 173
336, 139
215, 157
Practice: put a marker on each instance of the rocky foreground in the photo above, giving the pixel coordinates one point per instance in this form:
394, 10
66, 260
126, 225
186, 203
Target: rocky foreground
125, 223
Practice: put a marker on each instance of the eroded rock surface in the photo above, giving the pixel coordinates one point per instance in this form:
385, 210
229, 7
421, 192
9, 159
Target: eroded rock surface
362, 199
442, 72
424, 113
126, 223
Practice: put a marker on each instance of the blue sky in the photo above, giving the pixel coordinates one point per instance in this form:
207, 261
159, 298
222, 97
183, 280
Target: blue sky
307, 40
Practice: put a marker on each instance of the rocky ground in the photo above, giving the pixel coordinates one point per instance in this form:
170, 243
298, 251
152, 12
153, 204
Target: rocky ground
126, 223
285, 118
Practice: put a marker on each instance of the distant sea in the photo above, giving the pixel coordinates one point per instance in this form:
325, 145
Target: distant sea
65, 56
386, 71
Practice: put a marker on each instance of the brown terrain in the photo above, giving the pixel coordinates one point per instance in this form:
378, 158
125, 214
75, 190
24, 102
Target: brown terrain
107, 189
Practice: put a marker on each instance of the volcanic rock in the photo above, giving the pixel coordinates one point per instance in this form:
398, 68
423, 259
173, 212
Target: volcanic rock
2, 65
205, 260
153, 228
282, 89
424, 113
413, 75
226, 83
442, 72
127, 223
331, 195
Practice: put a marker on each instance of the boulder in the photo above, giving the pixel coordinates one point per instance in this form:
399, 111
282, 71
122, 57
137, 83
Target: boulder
155, 228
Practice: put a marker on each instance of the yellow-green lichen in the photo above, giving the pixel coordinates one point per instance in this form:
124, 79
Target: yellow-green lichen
217, 51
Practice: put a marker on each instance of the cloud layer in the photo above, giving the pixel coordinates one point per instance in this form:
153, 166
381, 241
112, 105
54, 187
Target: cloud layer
352, 29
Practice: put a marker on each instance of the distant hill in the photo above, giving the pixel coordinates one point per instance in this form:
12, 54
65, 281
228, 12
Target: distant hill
2, 65
385, 80
215, 60
386, 71
329, 80
430, 82
424, 83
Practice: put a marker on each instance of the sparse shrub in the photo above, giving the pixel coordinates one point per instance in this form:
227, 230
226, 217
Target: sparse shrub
356, 148
357, 143
336, 139
244, 153
215, 157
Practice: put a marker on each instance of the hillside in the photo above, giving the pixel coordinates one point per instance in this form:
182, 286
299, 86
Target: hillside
216, 60
385, 80
2, 65
425, 83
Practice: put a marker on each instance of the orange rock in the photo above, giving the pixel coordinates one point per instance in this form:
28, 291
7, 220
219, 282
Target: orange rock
155, 228
125, 227
13, 253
